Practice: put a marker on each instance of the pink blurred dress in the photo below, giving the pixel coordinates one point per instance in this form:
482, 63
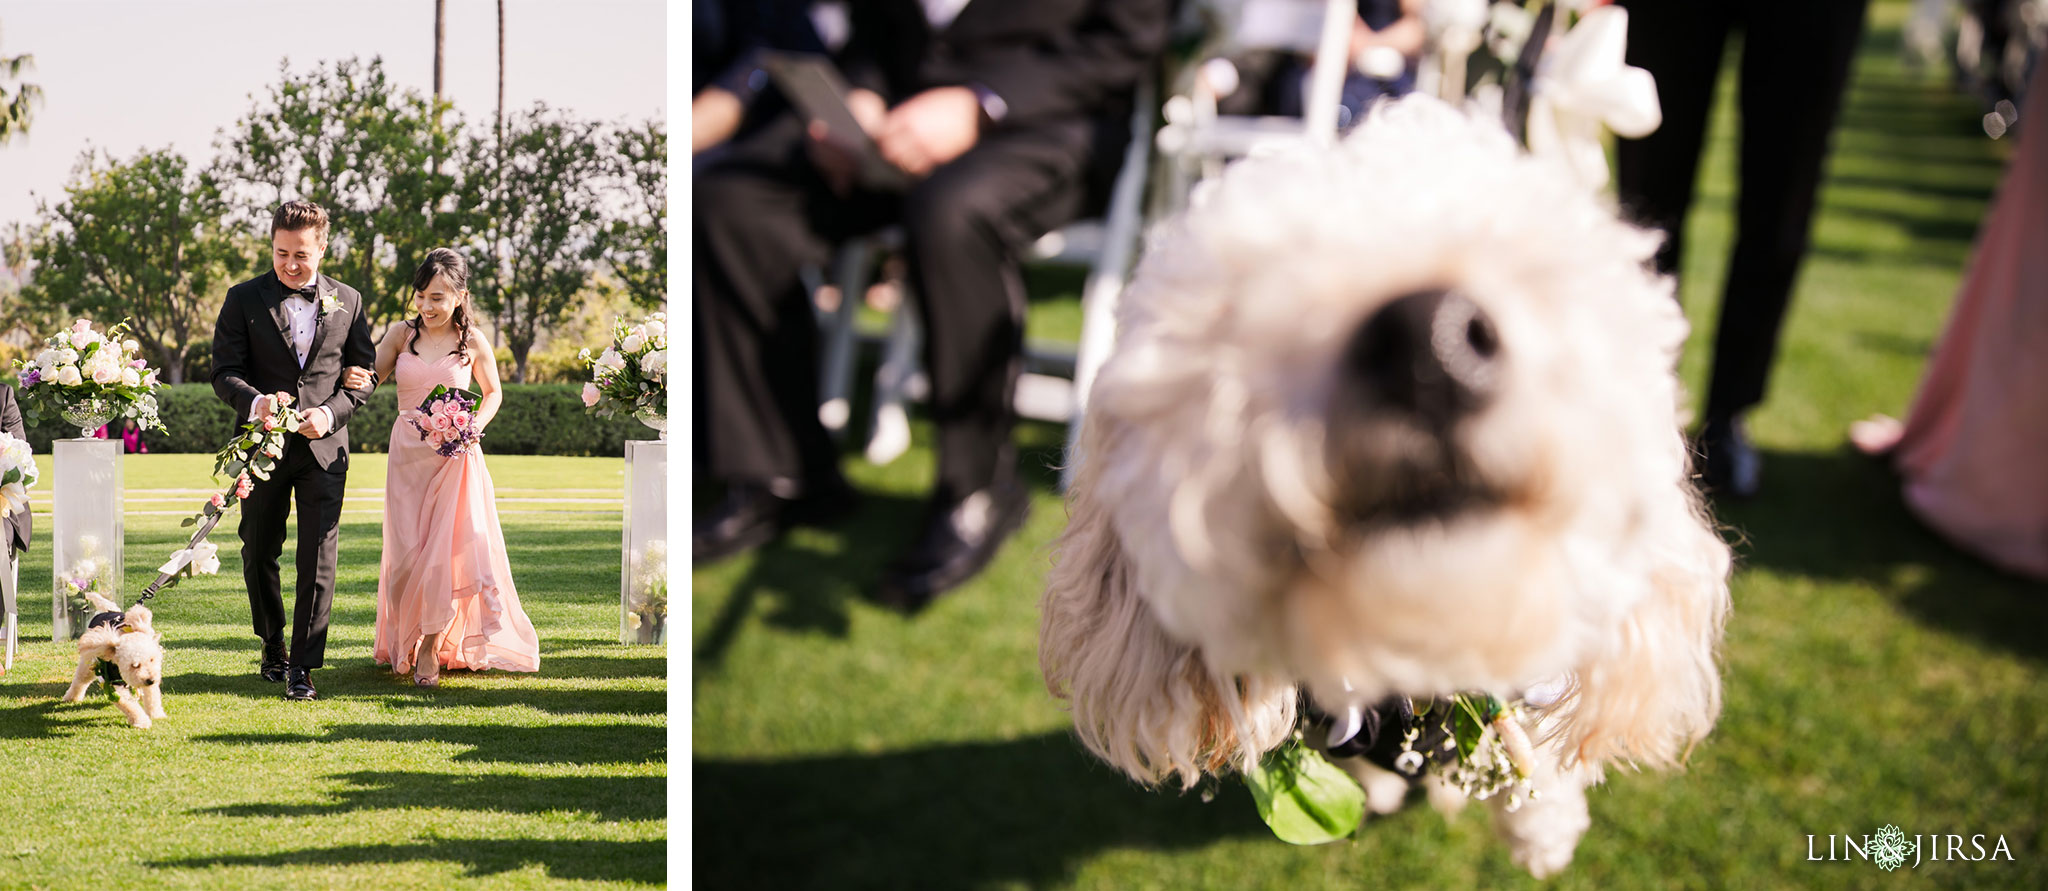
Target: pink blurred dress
444, 565
1974, 454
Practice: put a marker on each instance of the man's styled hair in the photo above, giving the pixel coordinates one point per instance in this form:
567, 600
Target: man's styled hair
293, 216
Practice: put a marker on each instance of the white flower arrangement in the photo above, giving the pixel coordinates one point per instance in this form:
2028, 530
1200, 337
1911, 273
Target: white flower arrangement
647, 606
80, 366
17, 473
329, 303
631, 375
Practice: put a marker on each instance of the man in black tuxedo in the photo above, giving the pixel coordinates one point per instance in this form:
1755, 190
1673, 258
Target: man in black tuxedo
1010, 119
290, 332
1795, 66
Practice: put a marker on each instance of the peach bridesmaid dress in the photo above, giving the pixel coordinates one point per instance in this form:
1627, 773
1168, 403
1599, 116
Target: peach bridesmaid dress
1972, 451
444, 565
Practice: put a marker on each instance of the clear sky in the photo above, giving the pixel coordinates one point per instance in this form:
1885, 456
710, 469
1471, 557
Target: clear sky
124, 75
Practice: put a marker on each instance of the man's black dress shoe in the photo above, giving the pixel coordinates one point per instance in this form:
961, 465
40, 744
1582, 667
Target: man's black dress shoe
958, 542
298, 684
1730, 464
750, 516
274, 662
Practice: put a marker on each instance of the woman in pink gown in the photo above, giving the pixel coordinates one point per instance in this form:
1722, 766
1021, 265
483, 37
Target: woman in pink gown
1974, 450
444, 593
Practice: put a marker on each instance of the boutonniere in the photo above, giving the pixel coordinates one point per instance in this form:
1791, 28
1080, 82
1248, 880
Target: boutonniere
329, 303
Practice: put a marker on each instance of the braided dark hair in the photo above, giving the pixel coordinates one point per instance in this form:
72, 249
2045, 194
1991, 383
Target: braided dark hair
448, 264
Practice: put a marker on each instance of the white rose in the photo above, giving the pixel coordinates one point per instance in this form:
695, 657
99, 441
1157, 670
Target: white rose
13, 499
131, 377
68, 376
654, 364
103, 371
633, 343
63, 339
47, 360
611, 360
656, 329
67, 356
129, 346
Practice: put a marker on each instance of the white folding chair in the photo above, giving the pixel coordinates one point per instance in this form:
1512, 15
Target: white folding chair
10, 582
1054, 384
1197, 141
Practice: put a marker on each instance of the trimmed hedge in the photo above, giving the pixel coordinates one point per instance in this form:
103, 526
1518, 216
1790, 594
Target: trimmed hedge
536, 419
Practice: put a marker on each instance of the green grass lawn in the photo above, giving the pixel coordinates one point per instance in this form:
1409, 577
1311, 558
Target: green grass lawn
494, 780
1874, 674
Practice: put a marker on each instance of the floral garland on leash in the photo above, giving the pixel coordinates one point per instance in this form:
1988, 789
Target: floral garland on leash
1471, 740
252, 455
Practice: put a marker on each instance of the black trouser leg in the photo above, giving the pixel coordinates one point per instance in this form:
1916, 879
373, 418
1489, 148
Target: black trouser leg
264, 514
1680, 42
319, 495
1795, 65
760, 214
967, 225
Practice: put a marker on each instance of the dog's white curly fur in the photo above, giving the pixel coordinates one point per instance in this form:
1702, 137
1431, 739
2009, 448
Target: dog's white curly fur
138, 653
1204, 573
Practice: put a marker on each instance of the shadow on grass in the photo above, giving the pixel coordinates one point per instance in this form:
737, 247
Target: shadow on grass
810, 590
962, 815
597, 861
550, 744
1840, 516
606, 798
50, 719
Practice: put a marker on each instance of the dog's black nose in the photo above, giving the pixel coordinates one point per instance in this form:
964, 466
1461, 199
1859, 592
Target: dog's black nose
1434, 354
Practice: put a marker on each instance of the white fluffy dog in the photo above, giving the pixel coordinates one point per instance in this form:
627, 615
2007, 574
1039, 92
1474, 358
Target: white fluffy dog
134, 647
1395, 417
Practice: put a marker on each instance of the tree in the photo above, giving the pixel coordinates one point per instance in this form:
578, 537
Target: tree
638, 244
147, 239
544, 225
17, 108
348, 139
27, 321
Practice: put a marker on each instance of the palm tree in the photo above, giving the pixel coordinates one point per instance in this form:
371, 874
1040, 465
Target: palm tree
17, 107
501, 79
440, 42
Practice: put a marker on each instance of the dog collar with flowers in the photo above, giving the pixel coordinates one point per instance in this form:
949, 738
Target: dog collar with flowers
1471, 740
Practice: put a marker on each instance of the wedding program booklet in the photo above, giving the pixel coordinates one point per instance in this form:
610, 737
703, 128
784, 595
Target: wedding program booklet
813, 84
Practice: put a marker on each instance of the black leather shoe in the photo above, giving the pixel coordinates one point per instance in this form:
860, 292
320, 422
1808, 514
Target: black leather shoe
1731, 465
274, 662
299, 684
751, 516
958, 543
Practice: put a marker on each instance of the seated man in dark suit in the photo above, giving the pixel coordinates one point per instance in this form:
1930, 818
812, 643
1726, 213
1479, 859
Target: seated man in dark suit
1009, 117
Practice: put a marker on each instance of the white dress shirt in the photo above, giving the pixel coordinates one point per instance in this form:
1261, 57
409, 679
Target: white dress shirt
301, 317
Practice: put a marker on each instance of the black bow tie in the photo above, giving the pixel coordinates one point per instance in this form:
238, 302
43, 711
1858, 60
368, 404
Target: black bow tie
309, 292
